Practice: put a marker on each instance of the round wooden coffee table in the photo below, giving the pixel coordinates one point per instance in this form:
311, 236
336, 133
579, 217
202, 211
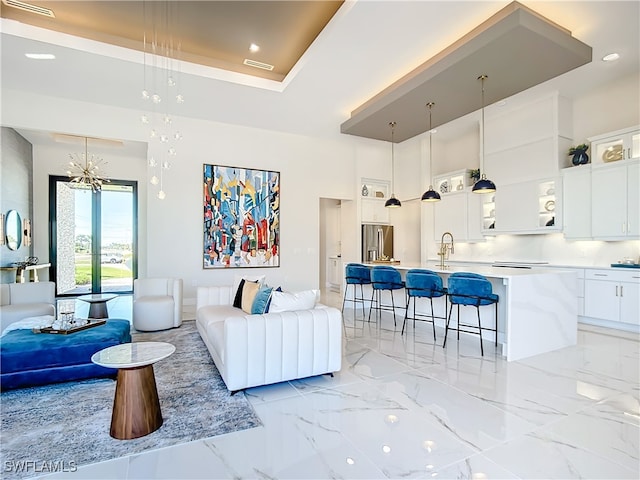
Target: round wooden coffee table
136, 407
98, 304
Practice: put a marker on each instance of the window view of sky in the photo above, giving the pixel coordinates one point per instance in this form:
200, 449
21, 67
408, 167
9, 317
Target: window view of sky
117, 214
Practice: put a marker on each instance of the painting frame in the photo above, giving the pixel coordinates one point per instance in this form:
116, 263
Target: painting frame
241, 217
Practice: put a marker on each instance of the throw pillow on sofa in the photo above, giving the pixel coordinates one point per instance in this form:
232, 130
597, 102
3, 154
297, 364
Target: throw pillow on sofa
237, 299
261, 301
249, 291
289, 302
247, 278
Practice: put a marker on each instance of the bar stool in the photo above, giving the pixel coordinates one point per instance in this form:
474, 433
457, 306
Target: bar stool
422, 283
384, 278
470, 289
356, 274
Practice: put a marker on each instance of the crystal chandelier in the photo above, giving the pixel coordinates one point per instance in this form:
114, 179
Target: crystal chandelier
160, 93
84, 169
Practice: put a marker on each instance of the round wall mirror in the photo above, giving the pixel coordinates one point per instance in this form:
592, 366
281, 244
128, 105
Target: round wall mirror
13, 230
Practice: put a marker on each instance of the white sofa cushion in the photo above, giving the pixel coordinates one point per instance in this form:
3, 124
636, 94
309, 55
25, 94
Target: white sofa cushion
290, 302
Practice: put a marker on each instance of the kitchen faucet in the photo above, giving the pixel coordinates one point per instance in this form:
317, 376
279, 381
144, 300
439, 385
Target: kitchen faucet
445, 248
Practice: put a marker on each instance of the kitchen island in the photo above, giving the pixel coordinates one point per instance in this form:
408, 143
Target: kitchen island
537, 311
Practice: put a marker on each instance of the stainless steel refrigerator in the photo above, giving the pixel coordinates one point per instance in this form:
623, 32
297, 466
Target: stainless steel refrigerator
377, 242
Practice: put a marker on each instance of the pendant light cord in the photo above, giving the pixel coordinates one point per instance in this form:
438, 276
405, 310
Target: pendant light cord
482, 79
430, 104
393, 183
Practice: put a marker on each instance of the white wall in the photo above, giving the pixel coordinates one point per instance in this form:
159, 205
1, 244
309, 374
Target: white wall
170, 230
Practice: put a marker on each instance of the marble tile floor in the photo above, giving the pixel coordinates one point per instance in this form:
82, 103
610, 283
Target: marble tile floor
404, 407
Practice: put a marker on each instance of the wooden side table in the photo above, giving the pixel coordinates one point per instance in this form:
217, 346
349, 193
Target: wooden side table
136, 407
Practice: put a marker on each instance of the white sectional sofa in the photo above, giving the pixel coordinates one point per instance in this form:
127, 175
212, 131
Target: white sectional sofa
259, 349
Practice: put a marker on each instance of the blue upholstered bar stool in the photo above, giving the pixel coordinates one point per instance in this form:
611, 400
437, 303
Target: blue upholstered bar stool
470, 289
384, 278
356, 274
421, 283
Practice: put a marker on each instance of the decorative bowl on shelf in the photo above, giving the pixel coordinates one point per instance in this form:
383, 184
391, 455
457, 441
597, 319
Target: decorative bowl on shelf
550, 206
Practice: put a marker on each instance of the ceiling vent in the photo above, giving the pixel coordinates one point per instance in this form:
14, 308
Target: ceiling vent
27, 7
253, 63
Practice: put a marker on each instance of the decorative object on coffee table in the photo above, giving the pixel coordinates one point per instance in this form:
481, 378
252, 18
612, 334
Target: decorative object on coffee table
136, 407
98, 301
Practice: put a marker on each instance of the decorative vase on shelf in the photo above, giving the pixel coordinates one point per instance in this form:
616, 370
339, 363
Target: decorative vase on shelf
365, 191
580, 158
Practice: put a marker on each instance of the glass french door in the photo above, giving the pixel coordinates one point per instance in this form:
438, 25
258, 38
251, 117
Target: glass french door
93, 237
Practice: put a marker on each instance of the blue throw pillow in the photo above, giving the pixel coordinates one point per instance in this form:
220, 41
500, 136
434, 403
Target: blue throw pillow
260, 308
261, 301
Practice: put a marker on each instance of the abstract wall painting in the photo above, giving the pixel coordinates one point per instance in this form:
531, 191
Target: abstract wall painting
241, 217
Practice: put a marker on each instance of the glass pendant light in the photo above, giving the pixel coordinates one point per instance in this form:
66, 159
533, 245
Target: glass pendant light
393, 202
430, 195
484, 185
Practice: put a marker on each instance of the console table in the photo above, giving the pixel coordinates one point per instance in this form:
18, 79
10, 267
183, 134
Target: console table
20, 271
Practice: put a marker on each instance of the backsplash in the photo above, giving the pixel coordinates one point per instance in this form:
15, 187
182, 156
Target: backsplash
553, 249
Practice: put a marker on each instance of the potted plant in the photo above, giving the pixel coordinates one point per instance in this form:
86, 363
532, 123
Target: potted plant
579, 153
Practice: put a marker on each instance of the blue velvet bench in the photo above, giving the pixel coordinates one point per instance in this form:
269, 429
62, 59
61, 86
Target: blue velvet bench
29, 359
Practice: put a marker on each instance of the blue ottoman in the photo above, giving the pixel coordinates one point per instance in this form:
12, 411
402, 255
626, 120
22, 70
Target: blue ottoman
28, 359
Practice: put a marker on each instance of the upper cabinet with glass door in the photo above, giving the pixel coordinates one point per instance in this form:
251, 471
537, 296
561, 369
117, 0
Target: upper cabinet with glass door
615, 146
374, 193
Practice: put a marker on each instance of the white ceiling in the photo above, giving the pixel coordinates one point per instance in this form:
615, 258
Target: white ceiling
366, 47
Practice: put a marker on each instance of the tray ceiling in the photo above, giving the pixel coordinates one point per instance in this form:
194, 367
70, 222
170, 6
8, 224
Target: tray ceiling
516, 48
211, 33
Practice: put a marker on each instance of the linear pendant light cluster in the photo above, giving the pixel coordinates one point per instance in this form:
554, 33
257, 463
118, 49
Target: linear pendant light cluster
484, 185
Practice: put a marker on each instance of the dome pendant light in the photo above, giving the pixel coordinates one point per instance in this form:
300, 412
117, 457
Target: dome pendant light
393, 202
484, 185
430, 195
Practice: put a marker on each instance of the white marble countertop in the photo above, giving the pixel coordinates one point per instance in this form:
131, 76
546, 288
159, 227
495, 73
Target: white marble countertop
453, 262
483, 269
131, 355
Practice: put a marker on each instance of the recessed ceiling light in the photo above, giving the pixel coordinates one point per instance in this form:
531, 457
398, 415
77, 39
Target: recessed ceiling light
254, 48
27, 7
40, 56
611, 57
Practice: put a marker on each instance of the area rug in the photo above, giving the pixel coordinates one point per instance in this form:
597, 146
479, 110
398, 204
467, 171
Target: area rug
66, 425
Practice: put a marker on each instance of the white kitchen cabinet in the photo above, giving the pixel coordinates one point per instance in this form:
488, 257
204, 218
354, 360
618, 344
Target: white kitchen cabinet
576, 202
615, 146
450, 215
374, 211
527, 207
334, 277
612, 295
373, 195
475, 217
526, 142
615, 210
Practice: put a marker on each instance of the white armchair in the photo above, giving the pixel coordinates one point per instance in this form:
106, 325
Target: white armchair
22, 300
157, 303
